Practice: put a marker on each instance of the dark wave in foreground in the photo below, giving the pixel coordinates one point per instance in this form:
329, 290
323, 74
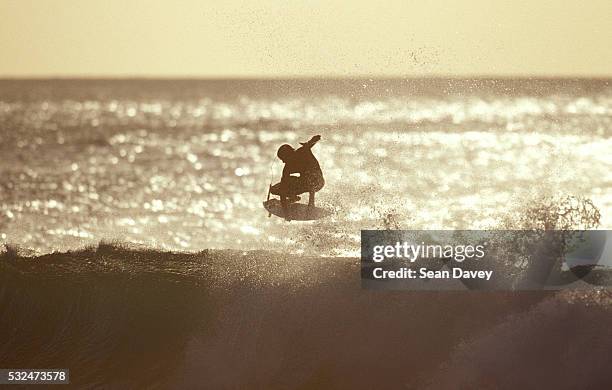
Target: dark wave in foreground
230, 319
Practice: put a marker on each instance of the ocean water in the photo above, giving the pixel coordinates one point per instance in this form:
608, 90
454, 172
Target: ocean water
185, 165
263, 320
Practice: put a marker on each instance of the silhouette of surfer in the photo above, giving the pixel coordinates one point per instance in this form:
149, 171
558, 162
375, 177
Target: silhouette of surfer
304, 163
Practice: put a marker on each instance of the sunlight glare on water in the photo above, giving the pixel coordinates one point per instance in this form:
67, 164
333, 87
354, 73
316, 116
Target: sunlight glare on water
188, 168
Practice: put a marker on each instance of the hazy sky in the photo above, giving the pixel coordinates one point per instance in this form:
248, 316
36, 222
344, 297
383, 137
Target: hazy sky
195, 38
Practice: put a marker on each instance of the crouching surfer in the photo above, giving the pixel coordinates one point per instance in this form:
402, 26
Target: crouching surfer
304, 163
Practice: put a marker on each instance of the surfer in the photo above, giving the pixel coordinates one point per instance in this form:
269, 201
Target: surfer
304, 163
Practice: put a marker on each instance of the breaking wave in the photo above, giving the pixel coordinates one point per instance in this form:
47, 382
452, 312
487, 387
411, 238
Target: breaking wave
133, 317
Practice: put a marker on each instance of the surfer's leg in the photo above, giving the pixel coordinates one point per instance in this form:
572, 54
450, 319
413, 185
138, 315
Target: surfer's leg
285, 206
286, 189
312, 185
311, 199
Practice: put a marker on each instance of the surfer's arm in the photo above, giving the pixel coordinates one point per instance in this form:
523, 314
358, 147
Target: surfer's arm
311, 142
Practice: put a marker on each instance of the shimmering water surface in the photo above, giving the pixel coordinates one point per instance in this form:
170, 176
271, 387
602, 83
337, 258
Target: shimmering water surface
185, 165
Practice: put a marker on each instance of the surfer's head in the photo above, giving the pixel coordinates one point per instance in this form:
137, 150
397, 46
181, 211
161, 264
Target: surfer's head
285, 152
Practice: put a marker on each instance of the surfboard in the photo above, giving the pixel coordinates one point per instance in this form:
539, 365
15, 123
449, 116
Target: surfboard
296, 211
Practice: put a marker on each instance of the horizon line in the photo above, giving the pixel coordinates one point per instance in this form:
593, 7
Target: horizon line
483, 77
